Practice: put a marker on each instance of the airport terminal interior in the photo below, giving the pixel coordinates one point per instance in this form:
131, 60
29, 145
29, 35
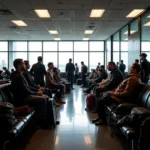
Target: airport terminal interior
74, 75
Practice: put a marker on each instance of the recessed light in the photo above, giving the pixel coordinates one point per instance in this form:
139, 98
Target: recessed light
126, 39
148, 16
88, 32
42, 13
19, 23
131, 32
85, 39
135, 13
147, 24
53, 32
97, 13
57, 39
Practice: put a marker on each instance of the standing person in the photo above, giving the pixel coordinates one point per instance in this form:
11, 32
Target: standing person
145, 67
122, 67
99, 65
38, 71
84, 73
76, 72
70, 68
117, 65
6, 73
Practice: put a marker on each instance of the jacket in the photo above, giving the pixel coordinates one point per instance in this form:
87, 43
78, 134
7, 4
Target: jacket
145, 66
126, 91
77, 70
116, 77
84, 70
122, 67
102, 75
38, 71
70, 68
20, 88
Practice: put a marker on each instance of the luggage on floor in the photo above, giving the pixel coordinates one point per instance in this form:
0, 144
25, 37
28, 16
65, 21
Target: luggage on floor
51, 113
90, 102
68, 87
79, 81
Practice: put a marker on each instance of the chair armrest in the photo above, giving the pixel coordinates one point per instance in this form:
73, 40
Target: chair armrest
124, 109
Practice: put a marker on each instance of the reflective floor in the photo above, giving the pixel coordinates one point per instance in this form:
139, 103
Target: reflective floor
75, 132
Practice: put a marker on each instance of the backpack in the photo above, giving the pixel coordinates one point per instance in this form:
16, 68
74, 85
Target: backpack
7, 118
90, 102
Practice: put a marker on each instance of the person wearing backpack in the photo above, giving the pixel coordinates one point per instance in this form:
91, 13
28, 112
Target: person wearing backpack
145, 68
83, 73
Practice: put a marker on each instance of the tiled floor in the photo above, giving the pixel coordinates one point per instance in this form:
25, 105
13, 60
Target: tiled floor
75, 132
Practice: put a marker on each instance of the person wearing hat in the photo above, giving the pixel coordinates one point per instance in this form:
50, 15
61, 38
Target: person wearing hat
145, 67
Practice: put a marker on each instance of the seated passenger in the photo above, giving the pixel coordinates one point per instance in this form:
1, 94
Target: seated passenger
22, 93
125, 92
51, 83
6, 73
116, 78
95, 82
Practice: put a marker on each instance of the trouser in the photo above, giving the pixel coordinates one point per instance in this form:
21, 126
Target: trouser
84, 80
145, 79
100, 90
40, 104
91, 87
101, 106
76, 77
70, 79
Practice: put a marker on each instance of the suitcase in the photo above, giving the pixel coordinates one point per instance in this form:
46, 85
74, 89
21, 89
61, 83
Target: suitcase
68, 87
51, 113
90, 102
79, 81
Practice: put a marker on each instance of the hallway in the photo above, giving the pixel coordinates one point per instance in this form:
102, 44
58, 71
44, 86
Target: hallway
75, 132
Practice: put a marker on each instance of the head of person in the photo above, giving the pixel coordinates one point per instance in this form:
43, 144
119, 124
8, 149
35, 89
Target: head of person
143, 56
19, 64
4, 68
12, 70
94, 71
117, 63
111, 66
121, 61
40, 59
136, 61
55, 69
102, 68
99, 64
135, 68
27, 64
82, 63
50, 65
70, 60
76, 64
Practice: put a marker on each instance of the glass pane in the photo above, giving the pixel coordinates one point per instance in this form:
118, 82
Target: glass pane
108, 49
33, 57
49, 57
19, 46
95, 58
80, 46
116, 42
3, 60
64, 59
78, 57
116, 57
49, 46
15, 55
35, 46
124, 57
146, 32
134, 27
3, 46
65, 46
124, 39
96, 46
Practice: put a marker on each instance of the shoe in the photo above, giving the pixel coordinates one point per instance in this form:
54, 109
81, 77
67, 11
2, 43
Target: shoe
101, 122
95, 120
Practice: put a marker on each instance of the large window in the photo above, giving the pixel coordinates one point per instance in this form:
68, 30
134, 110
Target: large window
64, 59
50, 46
96, 46
145, 41
19, 46
33, 57
35, 46
108, 50
124, 46
65, 46
3, 46
116, 47
3, 60
80, 46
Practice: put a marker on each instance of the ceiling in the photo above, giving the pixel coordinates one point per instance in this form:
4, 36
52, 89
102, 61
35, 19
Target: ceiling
72, 25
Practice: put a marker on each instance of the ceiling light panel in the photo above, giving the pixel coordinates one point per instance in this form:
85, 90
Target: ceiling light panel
147, 24
42, 13
53, 32
97, 13
135, 13
131, 32
57, 39
88, 32
19, 23
85, 39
